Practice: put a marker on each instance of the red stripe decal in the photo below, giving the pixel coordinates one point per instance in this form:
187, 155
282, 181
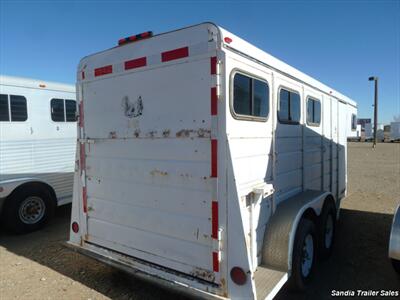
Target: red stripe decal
214, 101
84, 199
214, 150
175, 54
213, 62
81, 114
215, 262
214, 219
103, 71
82, 156
135, 63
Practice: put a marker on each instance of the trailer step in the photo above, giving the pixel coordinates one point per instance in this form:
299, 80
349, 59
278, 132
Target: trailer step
268, 282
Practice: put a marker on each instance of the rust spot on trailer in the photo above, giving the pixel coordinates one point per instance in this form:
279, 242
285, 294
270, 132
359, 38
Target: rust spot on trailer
166, 133
136, 133
112, 135
158, 172
152, 133
203, 274
202, 132
191, 133
90, 208
184, 133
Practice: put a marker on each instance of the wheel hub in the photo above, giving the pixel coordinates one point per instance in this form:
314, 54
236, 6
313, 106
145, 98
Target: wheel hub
32, 210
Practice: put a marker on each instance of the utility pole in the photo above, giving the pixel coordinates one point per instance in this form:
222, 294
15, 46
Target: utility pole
375, 79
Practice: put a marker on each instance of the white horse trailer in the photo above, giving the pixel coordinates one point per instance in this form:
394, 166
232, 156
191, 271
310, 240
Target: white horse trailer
206, 164
37, 150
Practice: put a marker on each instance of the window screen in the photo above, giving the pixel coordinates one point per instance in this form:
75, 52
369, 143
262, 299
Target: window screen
289, 107
57, 110
70, 110
4, 114
18, 109
250, 96
313, 112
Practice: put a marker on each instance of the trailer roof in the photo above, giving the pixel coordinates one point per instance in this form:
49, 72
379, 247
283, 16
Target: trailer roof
245, 48
35, 84
235, 44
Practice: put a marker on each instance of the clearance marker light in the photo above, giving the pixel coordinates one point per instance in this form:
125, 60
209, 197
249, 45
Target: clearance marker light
134, 38
228, 40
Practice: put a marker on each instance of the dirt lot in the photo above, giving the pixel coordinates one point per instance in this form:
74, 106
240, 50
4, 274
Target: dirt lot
37, 266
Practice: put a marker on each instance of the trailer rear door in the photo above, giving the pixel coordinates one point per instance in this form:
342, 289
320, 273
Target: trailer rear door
149, 191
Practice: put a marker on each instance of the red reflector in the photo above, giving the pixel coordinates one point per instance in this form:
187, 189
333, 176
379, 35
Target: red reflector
214, 216
82, 156
214, 165
214, 101
135, 63
213, 62
215, 262
103, 70
175, 54
75, 227
84, 199
81, 114
228, 40
238, 276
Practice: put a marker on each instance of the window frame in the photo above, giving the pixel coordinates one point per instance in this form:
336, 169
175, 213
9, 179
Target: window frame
65, 110
287, 122
10, 120
8, 108
320, 117
241, 117
51, 112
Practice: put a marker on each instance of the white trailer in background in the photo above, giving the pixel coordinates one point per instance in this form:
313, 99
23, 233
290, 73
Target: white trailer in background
394, 131
206, 164
368, 131
37, 150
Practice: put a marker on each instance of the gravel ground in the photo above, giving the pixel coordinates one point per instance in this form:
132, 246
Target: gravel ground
37, 266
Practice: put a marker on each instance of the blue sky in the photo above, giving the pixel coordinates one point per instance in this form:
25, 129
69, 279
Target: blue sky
340, 43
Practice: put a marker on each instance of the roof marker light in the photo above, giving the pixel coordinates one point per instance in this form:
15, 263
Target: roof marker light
228, 40
134, 38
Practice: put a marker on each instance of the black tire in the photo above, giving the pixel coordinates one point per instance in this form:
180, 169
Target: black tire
396, 265
13, 213
299, 281
324, 246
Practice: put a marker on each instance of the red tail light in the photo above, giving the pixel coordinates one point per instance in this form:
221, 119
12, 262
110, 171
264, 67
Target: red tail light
238, 276
75, 227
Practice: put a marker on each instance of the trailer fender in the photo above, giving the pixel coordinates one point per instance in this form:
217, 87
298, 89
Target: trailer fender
8, 186
280, 233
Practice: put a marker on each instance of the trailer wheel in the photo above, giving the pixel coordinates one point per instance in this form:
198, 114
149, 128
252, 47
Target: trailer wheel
396, 265
304, 251
326, 230
28, 209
